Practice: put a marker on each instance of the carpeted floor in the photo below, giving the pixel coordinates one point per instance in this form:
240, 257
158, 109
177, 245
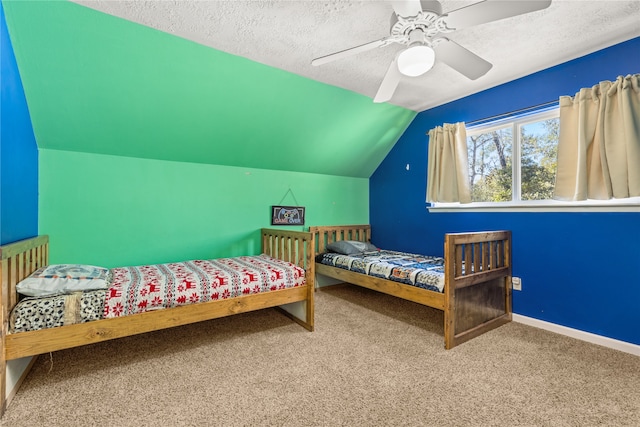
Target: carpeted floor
373, 360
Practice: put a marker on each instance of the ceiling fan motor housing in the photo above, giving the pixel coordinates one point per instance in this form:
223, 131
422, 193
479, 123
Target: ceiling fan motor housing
429, 21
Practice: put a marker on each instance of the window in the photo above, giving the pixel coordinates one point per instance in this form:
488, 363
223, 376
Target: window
512, 166
515, 159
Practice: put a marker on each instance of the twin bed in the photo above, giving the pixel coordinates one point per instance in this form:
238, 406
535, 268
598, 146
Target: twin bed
21, 259
471, 284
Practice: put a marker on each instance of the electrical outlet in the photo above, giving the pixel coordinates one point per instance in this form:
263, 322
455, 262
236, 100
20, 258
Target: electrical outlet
516, 283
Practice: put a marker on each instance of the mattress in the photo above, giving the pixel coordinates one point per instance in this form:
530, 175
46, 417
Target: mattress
153, 287
426, 272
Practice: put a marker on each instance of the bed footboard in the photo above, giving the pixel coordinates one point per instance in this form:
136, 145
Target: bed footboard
298, 248
477, 284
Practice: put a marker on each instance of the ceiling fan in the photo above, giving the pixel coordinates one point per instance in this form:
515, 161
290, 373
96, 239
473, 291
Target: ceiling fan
419, 25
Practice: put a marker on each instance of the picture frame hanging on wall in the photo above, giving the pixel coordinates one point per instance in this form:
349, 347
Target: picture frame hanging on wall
287, 215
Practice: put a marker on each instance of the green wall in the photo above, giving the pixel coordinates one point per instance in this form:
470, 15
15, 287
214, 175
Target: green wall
154, 148
100, 84
112, 210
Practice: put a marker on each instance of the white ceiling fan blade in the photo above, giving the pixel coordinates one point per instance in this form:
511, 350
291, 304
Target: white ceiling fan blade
462, 60
487, 11
407, 8
389, 83
348, 52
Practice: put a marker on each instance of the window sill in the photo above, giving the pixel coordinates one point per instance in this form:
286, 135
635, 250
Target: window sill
626, 205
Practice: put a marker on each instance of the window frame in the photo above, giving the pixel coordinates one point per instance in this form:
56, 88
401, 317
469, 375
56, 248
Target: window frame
516, 204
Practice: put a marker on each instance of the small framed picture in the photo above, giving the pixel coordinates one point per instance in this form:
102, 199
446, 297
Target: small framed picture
287, 215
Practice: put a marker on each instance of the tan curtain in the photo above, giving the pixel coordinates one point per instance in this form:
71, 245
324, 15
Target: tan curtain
599, 145
448, 165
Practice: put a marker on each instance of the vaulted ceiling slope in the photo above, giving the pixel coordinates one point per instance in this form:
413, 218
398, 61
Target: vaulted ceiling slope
288, 34
101, 84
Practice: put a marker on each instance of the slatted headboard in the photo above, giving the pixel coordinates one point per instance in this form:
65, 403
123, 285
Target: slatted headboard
328, 234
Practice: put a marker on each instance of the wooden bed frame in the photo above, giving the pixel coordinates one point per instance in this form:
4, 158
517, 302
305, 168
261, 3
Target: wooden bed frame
19, 259
473, 302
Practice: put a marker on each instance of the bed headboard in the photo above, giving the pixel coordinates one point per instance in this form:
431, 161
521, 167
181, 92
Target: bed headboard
334, 233
17, 261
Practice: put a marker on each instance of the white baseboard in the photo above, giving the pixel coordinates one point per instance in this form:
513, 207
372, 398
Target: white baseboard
322, 281
16, 372
624, 346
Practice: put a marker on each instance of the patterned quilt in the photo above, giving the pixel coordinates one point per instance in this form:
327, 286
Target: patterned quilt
417, 270
152, 287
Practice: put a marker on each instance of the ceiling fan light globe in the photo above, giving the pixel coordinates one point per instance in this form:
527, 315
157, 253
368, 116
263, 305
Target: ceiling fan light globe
416, 60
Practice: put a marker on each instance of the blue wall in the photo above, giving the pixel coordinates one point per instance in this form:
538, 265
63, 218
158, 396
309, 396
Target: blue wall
18, 151
579, 270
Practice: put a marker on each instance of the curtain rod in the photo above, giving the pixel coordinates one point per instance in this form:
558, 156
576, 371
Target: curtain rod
511, 113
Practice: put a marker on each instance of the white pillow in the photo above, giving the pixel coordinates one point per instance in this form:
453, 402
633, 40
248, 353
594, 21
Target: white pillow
64, 278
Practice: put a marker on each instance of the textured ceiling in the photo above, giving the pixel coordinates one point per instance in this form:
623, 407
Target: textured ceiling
289, 34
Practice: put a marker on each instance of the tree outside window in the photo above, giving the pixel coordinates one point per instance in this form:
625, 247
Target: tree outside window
492, 148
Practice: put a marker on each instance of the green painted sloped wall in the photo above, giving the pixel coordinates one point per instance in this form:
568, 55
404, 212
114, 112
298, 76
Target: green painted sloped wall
99, 84
113, 211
